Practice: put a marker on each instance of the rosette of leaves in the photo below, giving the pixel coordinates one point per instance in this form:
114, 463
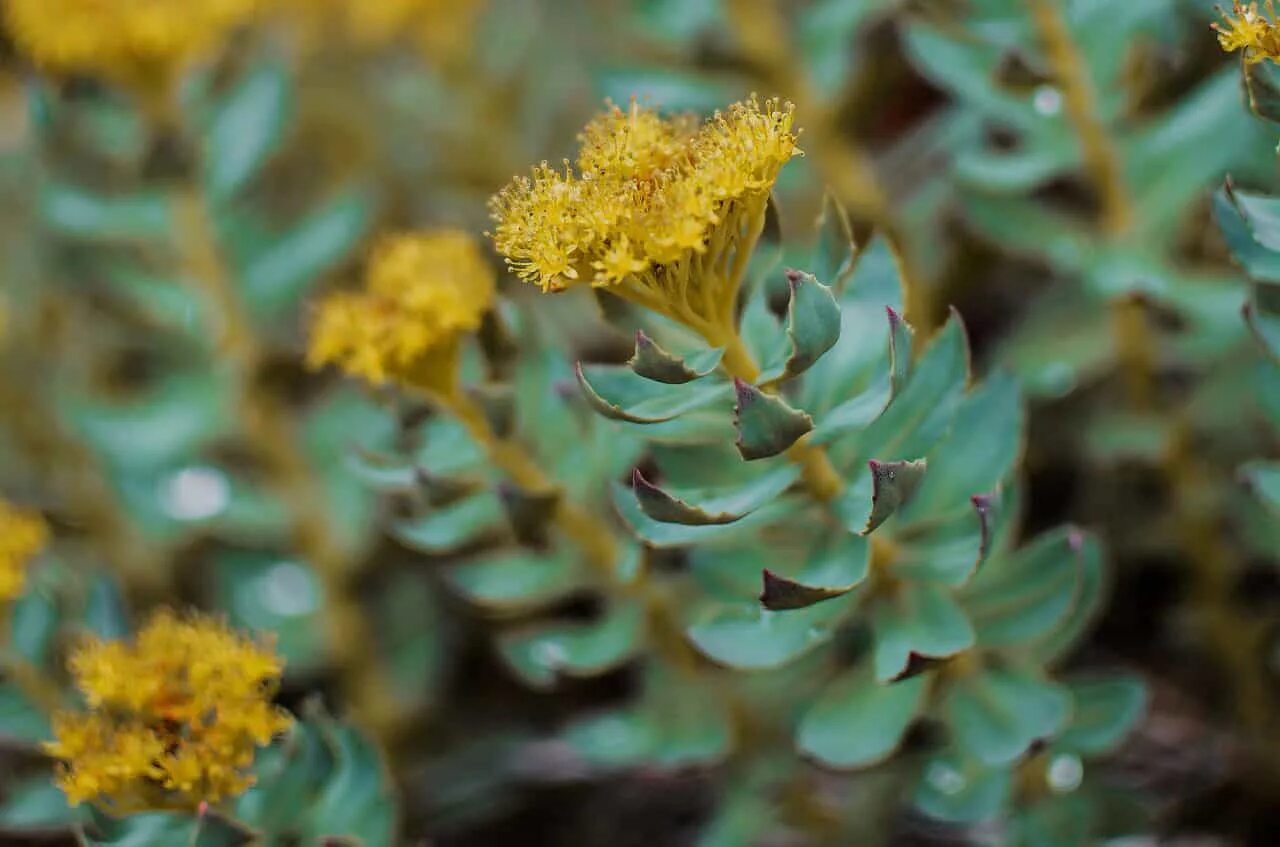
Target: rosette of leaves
560, 612
898, 594
1042, 110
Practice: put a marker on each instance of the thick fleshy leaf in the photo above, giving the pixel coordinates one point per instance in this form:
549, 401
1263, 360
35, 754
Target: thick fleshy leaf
952, 550
246, 128
1261, 262
516, 580
751, 638
685, 729
619, 393
288, 265
766, 425
995, 714
37, 807
660, 534
960, 790
288, 774
155, 828
1262, 82
541, 654
1263, 478
893, 484
858, 721
357, 801
447, 528
978, 454
1022, 597
835, 568
20, 720
853, 414
900, 334
916, 619
813, 322
922, 413
711, 507
1058, 641
75, 212
652, 362
832, 257
1106, 709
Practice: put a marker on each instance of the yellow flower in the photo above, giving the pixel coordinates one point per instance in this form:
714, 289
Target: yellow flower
135, 41
423, 291
22, 535
1249, 30
440, 27
661, 211
173, 718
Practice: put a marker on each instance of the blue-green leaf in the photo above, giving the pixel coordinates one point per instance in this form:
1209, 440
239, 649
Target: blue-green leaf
813, 322
651, 361
916, 619
621, 394
542, 653
517, 580
1106, 709
997, 713
714, 506
766, 425
858, 721
247, 128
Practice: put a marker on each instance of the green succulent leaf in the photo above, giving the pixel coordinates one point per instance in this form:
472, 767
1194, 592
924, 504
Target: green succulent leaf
832, 257
456, 525
900, 335
621, 394
124, 218
284, 268
246, 128
959, 789
515, 581
835, 568
995, 714
357, 800
922, 413
288, 774
857, 721
685, 730
712, 507
156, 828
747, 637
1022, 597
661, 534
813, 322
1232, 209
1263, 479
1106, 709
916, 619
543, 653
893, 486
766, 425
651, 361
1059, 640
1262, 83
35, 806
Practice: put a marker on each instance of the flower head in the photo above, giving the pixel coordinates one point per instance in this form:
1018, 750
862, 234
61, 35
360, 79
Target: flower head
136, 40
22, 535
1245, 28
173, 718
663, 211
422, 292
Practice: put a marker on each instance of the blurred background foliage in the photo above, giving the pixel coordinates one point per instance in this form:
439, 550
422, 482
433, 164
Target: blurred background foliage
1053, 169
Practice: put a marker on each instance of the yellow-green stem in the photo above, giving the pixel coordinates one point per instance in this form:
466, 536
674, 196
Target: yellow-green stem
268, 429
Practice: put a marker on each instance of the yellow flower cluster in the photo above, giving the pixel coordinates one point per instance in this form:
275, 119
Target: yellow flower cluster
1249, 30
173, 719
136, 41
662, 211
440, 27
23, 534
422, 292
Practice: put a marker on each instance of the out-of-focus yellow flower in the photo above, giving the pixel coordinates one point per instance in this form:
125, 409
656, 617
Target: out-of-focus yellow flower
661, 211
133, 41
1249, 30
423, 291
441, 28
22, 535
173, 718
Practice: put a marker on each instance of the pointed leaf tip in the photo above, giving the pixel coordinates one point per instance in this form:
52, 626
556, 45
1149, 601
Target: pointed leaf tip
892, 485
651, 361
766, 425
782, 594
813, 322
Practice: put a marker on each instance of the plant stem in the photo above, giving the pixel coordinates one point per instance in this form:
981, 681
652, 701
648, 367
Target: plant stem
268, 429
846, 168
1134, 341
